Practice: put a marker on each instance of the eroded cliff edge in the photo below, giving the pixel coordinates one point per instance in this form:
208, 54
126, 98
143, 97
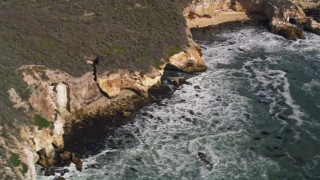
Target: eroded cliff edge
92, 58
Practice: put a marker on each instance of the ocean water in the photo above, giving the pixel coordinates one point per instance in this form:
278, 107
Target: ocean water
254, 114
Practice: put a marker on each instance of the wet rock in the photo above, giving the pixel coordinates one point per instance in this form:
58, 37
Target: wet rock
64, 171
196, 87
194, 121
203, 157
288, 31
77, 162
178, 81
191, 112
229, 128
133, 169
240, 49
46, 157
65, 158
147, 115
139, 159
189, 120
247, 115
60, 178
50, 172
313, 26
95, 166
219, 98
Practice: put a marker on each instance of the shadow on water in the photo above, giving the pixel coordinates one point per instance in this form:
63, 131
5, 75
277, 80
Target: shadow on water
92, 135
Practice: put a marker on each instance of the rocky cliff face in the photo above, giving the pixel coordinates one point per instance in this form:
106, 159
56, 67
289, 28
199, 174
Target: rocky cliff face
279, 14
58, 99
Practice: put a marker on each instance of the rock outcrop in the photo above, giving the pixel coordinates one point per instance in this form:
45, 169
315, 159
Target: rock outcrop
277, 13
189, 60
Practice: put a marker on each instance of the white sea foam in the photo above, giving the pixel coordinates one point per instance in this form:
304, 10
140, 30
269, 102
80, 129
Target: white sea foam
313, 87
277, 79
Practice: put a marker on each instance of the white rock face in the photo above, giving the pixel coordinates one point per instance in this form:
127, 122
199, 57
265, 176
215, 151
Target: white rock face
58, 132
62, 96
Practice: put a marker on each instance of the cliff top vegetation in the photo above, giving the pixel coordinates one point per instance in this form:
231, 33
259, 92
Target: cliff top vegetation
127, 34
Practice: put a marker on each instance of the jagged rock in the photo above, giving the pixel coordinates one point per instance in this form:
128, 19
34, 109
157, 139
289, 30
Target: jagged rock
110, 85
179, 81
64, 171
77, 162
65, 158
278, 13
205, 8
288, 31
203, 157
313, 26
50, 172
189, 61
46, 157
113, 83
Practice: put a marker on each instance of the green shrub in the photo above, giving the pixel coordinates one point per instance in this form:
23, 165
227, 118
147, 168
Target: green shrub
24, 168
41, 122
174, 50
157, 64
15, 160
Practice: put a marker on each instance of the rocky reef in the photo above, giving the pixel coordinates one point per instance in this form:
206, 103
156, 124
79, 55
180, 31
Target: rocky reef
90, 59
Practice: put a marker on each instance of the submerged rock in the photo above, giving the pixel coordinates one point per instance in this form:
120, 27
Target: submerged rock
203, 157
50, 172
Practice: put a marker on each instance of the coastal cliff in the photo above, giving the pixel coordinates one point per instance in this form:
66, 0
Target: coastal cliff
89, 59
282, 17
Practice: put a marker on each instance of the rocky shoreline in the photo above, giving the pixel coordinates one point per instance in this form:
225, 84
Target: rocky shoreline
74, 110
